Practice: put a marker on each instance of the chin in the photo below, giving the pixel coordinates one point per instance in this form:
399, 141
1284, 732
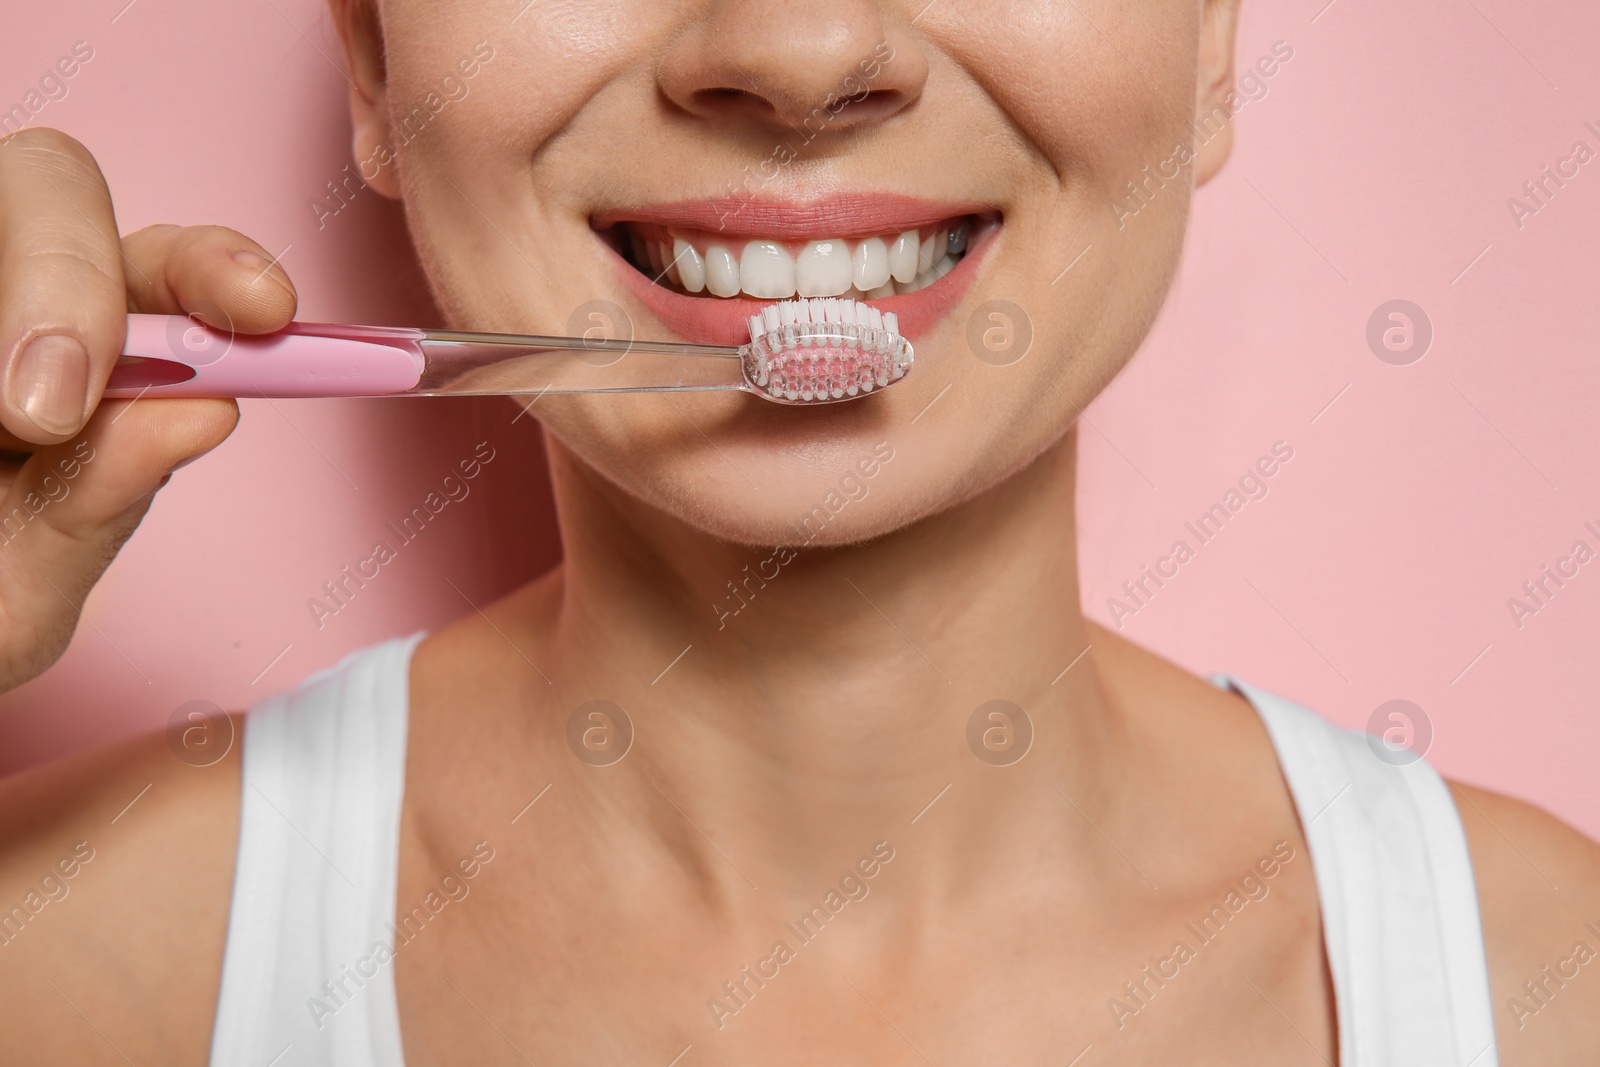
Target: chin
767, 487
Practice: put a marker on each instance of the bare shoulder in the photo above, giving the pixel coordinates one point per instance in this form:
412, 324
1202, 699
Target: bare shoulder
1539, 892
116, 871
1211, 729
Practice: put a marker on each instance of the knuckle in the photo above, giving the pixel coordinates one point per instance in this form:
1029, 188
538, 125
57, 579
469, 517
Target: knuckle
97, 539
53, 154
155, 233
53, 234
47, 140
77, 264
155, 229
210, 233
148, 250
190, 246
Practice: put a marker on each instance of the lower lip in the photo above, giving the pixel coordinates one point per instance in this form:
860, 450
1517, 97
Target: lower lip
713, 320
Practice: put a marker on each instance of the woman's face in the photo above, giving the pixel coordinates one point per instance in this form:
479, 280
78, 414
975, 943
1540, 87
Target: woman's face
546, 154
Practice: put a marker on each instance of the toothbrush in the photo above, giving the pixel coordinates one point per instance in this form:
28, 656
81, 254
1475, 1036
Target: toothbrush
810, 351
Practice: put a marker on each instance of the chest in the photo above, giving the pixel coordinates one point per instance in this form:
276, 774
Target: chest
547, 969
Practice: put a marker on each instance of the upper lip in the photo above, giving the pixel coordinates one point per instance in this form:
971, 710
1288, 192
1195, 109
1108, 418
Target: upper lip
840, 215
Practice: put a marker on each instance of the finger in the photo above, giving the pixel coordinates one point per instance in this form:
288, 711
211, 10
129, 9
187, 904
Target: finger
72, 507
14, 452
215, 273
10, 442
62, 296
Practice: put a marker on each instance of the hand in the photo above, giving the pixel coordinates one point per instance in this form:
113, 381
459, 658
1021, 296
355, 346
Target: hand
77, 473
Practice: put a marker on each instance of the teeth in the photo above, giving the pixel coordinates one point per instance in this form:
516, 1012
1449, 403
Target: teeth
870, 265
691, 268
822, 269
872, 268
927, 278
925, 252
722, 272
903, 258
671, 264
766, 271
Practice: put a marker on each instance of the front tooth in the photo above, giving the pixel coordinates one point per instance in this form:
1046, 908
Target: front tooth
870, 264
691, 268
883, 291
766, 271
822, 269
722, 272
925, 252
903, 256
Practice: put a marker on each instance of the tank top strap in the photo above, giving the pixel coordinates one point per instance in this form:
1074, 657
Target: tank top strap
306, 978
1399, 902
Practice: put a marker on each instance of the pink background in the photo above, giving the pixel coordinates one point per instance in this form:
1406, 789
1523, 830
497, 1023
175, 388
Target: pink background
1419, 498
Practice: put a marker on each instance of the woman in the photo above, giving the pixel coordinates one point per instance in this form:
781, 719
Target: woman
879, 794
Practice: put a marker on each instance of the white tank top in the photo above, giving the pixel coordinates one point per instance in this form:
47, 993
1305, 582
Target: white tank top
306, 977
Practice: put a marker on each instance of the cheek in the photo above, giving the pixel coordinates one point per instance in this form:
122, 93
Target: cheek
1102, 96
487, 180
1094, 85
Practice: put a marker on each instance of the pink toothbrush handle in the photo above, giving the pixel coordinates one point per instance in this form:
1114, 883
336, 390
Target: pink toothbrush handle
170, 355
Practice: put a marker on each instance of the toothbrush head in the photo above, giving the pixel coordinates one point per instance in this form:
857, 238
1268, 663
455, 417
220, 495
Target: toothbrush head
822, 351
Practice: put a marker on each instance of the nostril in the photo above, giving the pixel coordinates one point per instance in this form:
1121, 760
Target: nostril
792, 66
872, 106
835, 111
726, 103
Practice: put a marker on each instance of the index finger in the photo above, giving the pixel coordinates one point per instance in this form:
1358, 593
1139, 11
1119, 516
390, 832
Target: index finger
63, 299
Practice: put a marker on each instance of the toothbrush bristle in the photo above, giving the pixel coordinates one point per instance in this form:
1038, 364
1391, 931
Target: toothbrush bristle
822, 349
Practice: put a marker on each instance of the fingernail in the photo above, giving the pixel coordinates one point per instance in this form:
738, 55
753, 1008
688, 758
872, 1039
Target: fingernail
50, 382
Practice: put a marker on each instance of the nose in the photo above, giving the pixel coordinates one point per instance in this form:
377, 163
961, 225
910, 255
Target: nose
815, 66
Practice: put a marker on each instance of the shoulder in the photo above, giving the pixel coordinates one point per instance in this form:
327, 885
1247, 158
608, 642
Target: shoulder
116, 871
1539, 892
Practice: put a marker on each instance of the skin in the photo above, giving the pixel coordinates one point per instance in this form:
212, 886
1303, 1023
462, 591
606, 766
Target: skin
823, 719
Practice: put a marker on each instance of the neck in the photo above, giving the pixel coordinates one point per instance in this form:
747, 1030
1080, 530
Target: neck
827, 700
